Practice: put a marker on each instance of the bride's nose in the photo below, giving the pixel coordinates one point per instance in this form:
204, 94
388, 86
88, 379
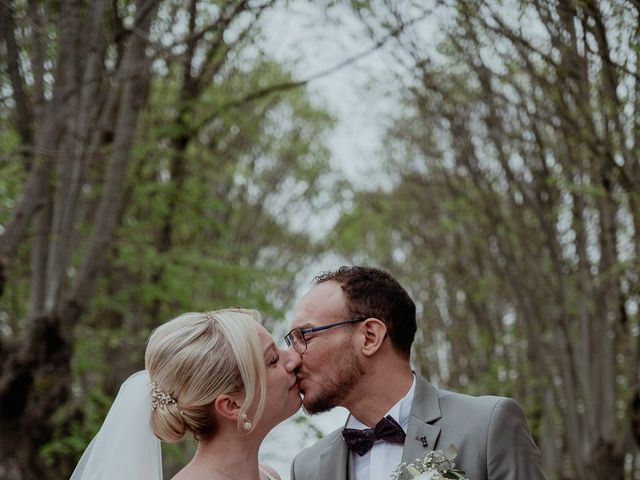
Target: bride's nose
292, 360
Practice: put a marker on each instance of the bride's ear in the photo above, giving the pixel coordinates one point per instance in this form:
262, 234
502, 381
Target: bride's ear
228, 406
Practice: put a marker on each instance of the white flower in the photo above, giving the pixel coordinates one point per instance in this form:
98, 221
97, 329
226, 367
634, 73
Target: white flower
433, 466
429, 475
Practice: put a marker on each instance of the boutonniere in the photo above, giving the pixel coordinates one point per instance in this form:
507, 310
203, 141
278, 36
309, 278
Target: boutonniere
435, 465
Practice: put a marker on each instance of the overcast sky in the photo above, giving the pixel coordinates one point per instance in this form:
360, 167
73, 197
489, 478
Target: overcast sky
300, 36
361, 97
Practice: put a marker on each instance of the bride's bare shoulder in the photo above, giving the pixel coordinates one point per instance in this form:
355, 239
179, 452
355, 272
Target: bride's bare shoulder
190, 474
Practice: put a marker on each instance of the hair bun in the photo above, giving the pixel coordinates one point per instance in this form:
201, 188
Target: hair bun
167, 423
197, 357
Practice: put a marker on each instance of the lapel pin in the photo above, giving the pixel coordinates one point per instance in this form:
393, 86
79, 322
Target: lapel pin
425, 443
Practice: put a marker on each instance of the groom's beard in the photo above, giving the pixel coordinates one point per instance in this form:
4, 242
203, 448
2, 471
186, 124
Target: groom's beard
335, 388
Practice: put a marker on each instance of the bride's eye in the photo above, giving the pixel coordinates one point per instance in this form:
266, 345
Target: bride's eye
275, 360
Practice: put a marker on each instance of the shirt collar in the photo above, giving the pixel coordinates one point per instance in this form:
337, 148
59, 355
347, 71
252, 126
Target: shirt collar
400, 411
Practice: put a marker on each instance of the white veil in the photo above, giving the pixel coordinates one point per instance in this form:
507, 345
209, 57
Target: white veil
125, 447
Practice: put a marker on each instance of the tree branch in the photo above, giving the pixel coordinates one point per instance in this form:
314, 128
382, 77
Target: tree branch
24, 116
264, 92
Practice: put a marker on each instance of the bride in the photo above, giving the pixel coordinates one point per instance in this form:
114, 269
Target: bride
217, 375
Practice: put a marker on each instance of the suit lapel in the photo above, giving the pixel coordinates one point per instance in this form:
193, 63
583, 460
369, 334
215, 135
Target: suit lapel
425, 409
334, 461
422, 436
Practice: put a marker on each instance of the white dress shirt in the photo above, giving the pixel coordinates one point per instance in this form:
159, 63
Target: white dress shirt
384, 457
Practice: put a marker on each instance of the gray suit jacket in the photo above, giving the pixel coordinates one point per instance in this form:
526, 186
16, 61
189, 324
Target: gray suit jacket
490, 433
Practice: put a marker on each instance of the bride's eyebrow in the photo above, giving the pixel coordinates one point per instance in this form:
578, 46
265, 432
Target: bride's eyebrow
271, 346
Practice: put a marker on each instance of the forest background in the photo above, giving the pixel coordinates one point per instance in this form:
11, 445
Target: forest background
162, 156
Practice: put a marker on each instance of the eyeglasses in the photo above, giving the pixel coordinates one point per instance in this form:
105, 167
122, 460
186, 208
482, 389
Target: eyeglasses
296, 337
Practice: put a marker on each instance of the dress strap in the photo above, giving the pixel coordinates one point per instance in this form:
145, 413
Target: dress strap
266, 474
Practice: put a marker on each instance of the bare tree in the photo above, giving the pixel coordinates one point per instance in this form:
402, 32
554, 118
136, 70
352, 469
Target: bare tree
517, 205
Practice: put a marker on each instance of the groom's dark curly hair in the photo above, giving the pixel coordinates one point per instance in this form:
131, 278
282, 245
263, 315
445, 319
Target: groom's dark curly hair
373, 293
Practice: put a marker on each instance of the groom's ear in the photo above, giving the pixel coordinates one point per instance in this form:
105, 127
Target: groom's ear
375, 331
228, 406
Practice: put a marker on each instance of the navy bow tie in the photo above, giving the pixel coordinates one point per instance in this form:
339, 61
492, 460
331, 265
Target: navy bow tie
361, 441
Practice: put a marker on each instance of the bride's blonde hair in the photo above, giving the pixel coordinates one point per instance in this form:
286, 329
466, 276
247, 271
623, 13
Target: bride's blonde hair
197, 357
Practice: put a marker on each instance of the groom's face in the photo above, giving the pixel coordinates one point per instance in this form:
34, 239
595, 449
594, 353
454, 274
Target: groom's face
330, 366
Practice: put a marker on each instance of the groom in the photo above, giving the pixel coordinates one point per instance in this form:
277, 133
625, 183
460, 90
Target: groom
354, 331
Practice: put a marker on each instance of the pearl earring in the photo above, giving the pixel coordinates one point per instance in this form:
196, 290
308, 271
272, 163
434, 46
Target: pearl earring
246, 423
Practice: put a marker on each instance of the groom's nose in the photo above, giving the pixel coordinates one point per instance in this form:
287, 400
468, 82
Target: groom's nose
292, 361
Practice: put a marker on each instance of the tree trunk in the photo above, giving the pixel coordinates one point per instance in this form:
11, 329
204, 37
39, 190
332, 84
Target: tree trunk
36, 377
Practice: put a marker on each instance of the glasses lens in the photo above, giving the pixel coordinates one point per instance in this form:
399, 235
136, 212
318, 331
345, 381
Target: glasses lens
297, 340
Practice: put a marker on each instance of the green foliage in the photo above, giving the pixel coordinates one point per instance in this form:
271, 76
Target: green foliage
219, 173
205, 226
225, 241
311, 431
12, 170
71, 443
